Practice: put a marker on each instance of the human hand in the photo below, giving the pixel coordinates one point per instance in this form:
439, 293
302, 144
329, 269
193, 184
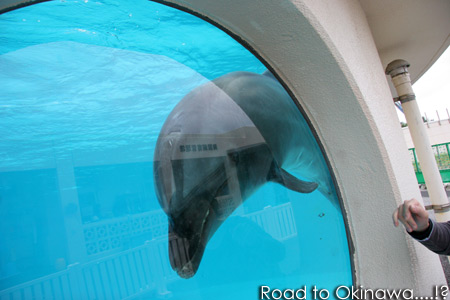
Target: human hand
412, 215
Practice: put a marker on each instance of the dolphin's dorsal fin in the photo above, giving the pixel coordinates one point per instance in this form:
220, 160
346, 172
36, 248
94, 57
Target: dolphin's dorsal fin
282, 177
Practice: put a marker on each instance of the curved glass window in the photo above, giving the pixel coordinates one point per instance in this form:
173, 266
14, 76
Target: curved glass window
147, 154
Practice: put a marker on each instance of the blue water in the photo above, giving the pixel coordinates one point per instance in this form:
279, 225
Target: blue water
84, 90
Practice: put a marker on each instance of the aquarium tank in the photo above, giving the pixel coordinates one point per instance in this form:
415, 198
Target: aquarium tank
146, 154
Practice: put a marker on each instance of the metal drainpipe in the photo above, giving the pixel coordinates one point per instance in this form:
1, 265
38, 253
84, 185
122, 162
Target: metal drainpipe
398, 70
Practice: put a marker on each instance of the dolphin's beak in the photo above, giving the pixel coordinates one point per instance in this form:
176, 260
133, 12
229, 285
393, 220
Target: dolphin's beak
179, 255
185, 252
188, 235
192, 225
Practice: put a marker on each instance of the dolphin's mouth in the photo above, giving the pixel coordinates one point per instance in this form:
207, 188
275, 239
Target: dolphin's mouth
186, 252
190, 229
186, 247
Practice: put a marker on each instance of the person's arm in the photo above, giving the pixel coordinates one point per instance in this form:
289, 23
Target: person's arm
434, 236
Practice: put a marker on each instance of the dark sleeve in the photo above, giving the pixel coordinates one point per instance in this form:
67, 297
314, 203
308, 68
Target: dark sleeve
436, 237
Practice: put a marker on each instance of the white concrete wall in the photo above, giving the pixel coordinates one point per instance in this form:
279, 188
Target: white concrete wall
324, 53
438, 133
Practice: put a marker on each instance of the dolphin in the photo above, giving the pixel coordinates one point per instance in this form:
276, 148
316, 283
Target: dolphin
221, 142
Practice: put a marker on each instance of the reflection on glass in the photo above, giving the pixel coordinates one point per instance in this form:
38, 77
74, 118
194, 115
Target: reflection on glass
85, 90
210, 157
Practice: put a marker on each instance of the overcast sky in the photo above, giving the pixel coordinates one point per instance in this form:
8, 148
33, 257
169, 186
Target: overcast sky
433, 89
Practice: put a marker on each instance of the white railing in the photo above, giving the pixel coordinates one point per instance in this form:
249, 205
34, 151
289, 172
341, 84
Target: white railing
278, 221
132, 272
124, 275
113, 235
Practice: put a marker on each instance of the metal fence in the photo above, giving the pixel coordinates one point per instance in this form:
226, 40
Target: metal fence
442, 156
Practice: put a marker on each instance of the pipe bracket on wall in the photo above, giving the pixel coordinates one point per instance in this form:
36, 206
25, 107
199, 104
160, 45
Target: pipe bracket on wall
405, 98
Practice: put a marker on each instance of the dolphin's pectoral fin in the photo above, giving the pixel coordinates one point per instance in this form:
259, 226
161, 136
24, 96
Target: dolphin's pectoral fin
282, 177
296, 184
